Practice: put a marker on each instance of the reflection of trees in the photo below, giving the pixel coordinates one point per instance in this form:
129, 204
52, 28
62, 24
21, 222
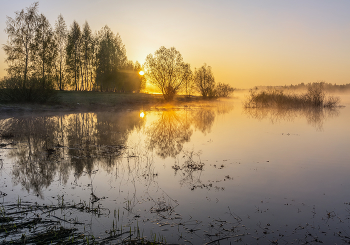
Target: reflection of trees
56, 146
203, 120
172, 129
168, 134
314, 116
61, 144
35, 164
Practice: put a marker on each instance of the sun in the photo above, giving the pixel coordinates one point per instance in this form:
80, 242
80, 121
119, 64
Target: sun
142, 115
141, 73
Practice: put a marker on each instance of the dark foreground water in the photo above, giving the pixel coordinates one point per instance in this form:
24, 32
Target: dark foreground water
212, 173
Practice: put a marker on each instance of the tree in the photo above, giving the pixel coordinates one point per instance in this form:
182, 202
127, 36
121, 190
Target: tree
204, 80
111, 58
21, 38
223, 90
86, 50
73, 52
45, 50
189, 86
61, 42
93, 61
129, 79
167, 71
138, 68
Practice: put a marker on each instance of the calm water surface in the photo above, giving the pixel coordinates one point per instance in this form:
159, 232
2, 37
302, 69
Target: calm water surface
189, 174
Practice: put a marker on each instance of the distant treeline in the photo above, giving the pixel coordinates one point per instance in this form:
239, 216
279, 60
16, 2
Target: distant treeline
61, 58
302, 86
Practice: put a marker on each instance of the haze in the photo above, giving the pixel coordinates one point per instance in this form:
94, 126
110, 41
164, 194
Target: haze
247, 43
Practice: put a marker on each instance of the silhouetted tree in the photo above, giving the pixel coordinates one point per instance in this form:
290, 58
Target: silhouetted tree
138, 68
204, 80
73, 53
86, 50
45, 51
129, 79
111, 57
21, 39
167, 71
61, 42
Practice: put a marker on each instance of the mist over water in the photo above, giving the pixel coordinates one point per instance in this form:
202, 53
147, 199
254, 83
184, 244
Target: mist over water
195, 172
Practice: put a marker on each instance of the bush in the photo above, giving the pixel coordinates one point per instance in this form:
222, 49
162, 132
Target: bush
223, 90
315, 94
12, 90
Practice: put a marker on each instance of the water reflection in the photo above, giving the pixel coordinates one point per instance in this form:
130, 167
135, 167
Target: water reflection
189, 168
66, 144
314, 116
203, 120
174, 128
169, 132
62, 145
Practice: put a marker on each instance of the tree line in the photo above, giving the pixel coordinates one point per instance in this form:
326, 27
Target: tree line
171, 75
44, 58
60, 58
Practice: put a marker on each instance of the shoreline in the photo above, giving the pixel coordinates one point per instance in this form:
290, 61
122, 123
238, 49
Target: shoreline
72, 101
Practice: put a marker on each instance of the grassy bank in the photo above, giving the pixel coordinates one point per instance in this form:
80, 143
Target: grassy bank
82, 100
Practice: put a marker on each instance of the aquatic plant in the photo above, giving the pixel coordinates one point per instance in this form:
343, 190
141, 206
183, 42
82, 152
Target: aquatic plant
314, 97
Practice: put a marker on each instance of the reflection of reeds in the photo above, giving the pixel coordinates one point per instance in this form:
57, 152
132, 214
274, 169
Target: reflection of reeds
315, 116
314, 97
190, 169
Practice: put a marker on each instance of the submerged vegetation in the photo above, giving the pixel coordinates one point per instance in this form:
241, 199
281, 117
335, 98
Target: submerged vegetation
314, 97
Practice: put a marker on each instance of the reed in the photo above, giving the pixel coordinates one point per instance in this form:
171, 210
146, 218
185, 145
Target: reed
314, 97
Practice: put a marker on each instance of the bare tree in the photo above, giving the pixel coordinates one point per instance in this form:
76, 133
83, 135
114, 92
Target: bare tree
204, 80
61, 41
21, 38
167, 71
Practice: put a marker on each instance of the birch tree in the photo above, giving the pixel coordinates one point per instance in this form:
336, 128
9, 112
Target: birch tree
73, 53
61, 42
45, 50
21, 38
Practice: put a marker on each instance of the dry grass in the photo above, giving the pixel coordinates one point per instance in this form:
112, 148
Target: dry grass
314, 97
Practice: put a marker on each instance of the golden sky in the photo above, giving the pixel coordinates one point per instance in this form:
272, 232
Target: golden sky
247, 43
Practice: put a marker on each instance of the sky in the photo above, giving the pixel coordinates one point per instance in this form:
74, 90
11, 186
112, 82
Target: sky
247, 43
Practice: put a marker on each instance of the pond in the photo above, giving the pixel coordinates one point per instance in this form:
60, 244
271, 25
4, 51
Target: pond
212, 173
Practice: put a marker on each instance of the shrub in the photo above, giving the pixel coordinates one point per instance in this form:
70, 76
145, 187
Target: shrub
223, 90
12, 90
